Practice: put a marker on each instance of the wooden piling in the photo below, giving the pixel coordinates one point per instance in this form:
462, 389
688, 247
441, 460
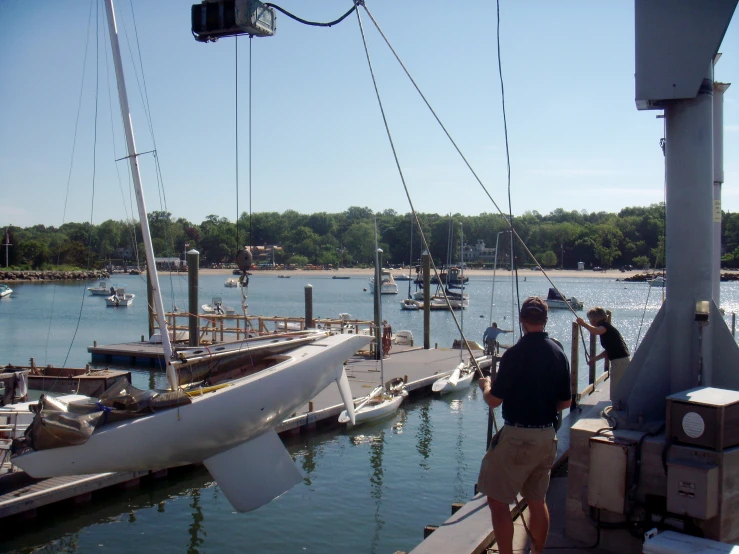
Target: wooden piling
591, 367
193, 263
309, 306
426, 260
574, 365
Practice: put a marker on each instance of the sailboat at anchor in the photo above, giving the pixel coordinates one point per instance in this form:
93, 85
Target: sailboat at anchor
229, 427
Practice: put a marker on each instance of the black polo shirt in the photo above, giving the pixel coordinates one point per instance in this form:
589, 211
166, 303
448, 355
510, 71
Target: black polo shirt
534, 376
612, 342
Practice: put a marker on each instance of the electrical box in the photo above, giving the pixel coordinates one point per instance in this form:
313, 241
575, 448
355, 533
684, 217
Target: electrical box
612, 457
213, 19
692, 489
704, 416
670, 542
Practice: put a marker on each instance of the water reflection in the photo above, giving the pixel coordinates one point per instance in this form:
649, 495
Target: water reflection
61, 527
377, 448
195, 528
424, 436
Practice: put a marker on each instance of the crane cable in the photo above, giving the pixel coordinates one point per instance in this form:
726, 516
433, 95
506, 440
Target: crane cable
456, 147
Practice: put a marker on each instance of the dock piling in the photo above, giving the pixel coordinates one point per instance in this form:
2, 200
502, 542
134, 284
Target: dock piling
426, 260
574, 365
193, 263
309, 306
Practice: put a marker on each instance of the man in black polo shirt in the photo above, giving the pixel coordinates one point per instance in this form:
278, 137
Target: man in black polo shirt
533, 384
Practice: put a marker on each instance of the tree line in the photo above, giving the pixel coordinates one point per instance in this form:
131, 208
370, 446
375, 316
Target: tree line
634, 236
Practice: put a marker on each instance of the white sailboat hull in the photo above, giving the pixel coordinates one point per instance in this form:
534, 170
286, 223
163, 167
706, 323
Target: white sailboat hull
446, 385
372, 412
213, 424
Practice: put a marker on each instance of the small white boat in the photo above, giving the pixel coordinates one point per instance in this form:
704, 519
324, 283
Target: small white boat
439, 303
104, 289
120, 299
387, 283
382, 402
402, 277
217, 307
555, 301
458, 380
658, 281
409, 304
231, 283
5, 290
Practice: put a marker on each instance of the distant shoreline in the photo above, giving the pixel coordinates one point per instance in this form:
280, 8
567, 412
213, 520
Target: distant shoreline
368, 272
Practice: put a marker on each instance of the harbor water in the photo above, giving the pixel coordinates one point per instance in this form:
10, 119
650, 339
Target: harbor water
371, 489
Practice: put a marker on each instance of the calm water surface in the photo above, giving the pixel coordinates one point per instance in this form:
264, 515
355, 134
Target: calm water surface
371, 490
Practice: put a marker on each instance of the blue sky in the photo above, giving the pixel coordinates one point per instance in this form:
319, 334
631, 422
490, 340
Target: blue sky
318, 142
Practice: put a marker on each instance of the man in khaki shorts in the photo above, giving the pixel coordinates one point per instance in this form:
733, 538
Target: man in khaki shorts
533, 384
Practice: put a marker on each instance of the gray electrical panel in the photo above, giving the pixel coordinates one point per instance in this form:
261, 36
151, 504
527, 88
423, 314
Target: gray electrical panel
692, 489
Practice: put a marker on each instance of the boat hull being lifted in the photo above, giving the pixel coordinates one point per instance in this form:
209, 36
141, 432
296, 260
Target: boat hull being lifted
216, 429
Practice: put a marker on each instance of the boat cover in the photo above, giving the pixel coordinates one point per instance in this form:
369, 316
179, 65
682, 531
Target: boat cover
554, 295
58, 423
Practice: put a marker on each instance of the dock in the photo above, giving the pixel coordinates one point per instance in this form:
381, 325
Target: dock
215, 330
21, 496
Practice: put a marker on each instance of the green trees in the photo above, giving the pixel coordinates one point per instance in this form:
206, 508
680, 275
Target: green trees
633, 236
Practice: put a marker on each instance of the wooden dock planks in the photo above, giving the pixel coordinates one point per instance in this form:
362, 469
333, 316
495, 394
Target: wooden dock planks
42, 492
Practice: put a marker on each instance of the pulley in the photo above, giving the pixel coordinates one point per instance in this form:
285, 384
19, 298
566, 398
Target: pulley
244, 259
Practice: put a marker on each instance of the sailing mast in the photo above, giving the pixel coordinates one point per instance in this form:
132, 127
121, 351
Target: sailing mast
132, 155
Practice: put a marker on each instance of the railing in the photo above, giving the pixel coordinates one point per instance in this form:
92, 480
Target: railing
593, 381
221, 327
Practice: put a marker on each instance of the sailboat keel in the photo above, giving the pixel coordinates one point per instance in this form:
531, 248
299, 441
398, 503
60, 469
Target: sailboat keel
255, 472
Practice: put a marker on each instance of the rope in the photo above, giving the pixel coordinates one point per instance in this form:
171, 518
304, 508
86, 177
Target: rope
405, 186
69, 175
508, 159
94, 175
314, 23
456, 147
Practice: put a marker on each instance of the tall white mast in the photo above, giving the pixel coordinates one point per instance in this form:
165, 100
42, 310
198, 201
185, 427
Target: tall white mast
151, 267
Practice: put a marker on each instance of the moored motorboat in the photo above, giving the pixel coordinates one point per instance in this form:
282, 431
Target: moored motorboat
387, 283
104, 289
409, 304
556, 301
231, 283
5, 290
217, 307
120, 299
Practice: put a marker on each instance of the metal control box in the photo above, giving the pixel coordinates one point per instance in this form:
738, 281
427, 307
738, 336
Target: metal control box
692, 489
704, 416
613, 457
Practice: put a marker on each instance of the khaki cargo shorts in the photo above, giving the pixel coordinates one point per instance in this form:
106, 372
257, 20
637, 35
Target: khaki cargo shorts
520, 461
